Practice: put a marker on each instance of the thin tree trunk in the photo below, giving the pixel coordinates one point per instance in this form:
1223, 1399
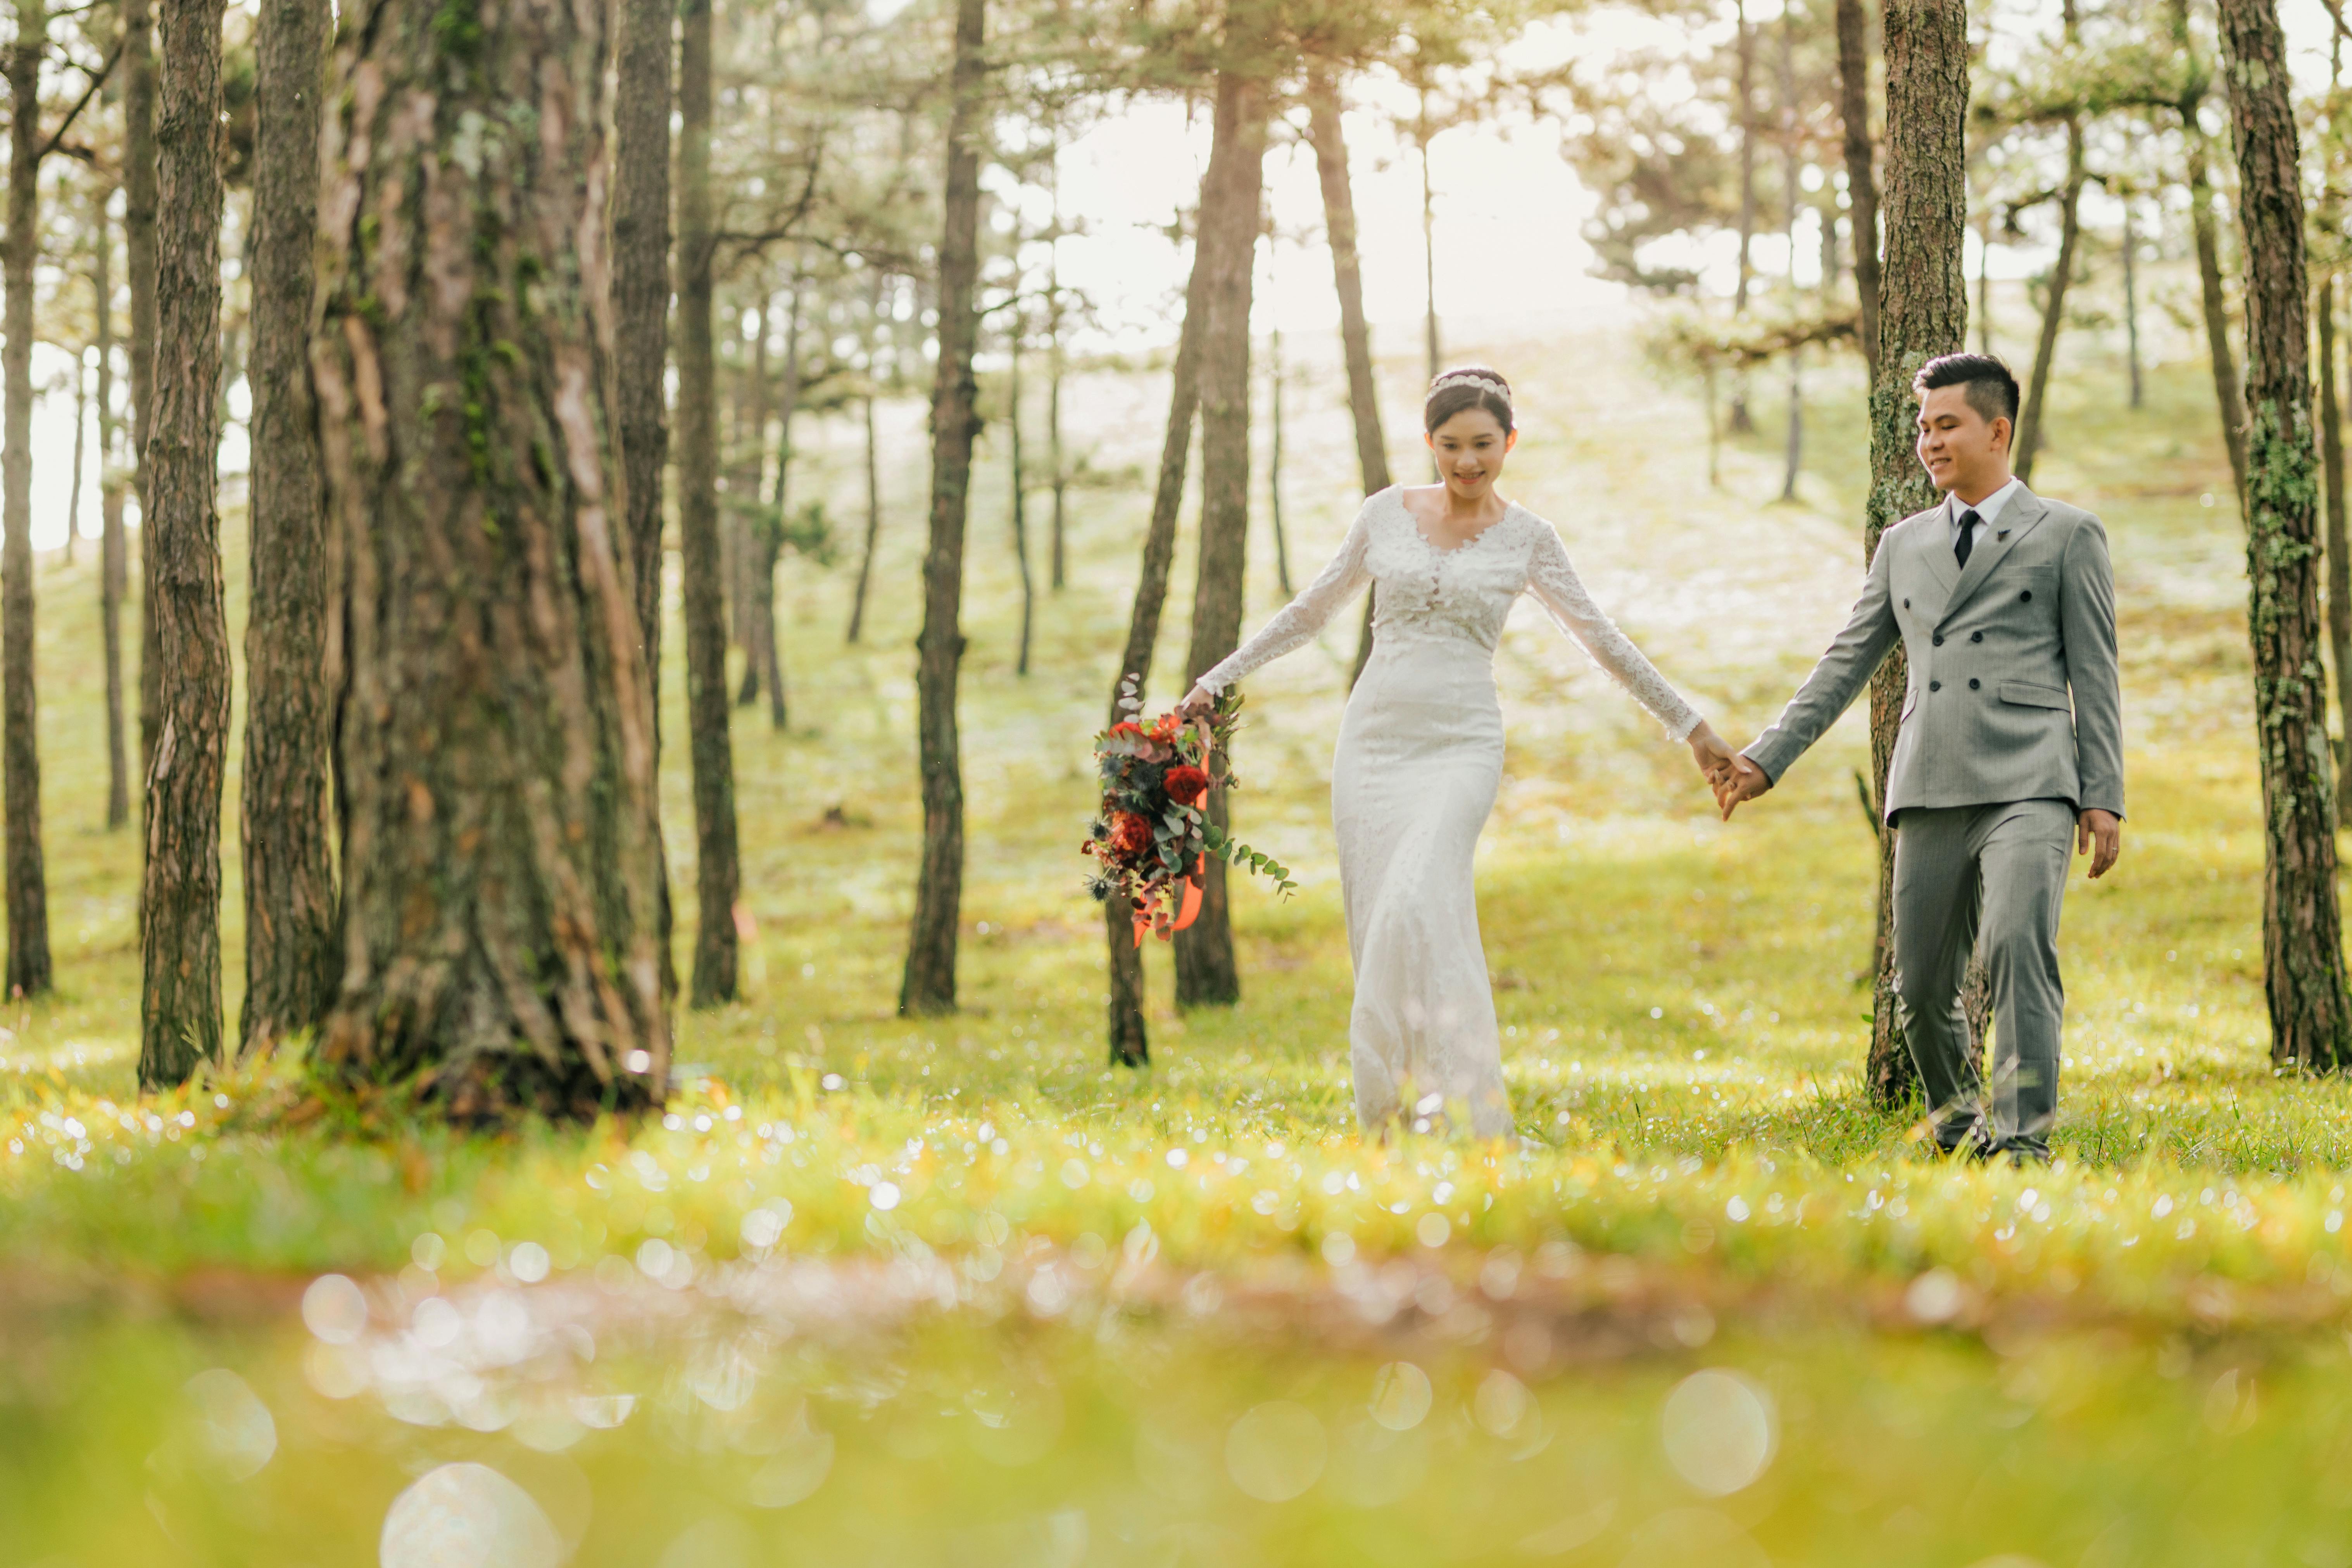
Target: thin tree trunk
1054, 371
1742, 422
1924, 314
284, 793
1428, 253
641, 282
499, 867
1325, 130
717, 874
1020, 508
2338, 547
1790, 165
28, 881
1795, 455
2303, 947
1274, 465
112, 575
1860, 172
81, 454
873, 521
179, 902
2229, 394
2030, 418
929, 982
2131, 305
1206, 973
765, 551
139, 257
1984, 284
1131, 1041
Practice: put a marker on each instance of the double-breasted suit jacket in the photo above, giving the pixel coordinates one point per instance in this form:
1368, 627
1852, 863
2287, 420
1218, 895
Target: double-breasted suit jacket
2013, 692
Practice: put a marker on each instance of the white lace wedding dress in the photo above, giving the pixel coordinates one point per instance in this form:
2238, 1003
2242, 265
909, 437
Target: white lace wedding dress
1418, 758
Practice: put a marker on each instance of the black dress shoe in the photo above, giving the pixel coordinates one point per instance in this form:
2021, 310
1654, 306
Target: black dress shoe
2023, 1151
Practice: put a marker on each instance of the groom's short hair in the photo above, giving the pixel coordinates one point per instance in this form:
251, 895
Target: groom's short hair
1991, 390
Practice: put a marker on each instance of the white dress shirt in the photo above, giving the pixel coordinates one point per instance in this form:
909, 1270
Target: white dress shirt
1988, 512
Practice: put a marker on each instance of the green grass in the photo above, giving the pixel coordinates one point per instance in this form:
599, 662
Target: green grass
1028, 1301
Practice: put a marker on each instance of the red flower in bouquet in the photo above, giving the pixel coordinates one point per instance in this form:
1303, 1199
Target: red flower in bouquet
1130, 833
1185, 784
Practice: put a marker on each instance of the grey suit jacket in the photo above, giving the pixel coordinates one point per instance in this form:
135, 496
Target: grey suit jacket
2013, 693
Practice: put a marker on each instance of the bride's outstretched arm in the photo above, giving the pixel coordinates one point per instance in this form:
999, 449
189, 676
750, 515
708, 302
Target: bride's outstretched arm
1561, 592
1294, 625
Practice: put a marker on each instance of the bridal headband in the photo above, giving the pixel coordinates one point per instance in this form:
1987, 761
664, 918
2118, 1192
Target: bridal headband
1471, 378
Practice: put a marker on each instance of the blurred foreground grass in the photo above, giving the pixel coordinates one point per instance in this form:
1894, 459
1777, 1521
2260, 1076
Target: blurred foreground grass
906, 1292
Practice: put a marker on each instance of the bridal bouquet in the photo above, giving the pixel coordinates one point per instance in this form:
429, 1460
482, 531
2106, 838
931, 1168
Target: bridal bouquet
1152, 838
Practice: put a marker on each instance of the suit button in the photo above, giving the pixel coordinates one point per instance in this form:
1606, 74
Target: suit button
1934, 685
1975, 685
1939, 639
2022, 598
1906, 604
1976, 636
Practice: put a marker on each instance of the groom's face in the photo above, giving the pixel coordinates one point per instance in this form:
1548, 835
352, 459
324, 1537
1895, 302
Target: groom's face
1959, 446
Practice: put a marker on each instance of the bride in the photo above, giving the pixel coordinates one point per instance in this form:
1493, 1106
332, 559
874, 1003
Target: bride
1421, 748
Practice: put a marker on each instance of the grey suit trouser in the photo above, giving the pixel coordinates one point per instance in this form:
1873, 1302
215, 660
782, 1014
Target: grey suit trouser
1992, 876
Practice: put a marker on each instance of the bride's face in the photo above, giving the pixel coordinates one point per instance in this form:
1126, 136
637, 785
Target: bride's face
1470, 448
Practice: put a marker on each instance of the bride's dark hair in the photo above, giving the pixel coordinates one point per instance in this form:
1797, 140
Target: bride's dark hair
1459, 388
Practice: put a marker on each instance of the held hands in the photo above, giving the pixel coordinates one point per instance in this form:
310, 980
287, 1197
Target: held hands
1200, 700
1732, 776
2098, 834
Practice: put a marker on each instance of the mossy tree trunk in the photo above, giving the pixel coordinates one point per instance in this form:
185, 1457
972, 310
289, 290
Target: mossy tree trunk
1206, 973
928, 985
180, 1015
290, 953
27, 880
717, 874
1922, 313
500, 872
2303, 948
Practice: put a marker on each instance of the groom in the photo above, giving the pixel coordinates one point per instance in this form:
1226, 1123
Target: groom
2012, 743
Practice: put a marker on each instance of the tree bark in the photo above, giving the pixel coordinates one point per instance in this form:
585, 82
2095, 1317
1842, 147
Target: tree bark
2229, 394
2054, 308
1790, 165
873, 522
285, 794
1325, 130
640, 284
112, 566
180, 1021
81, 454
1206, 973
28, 881
1861, 174
2338, 551
499, 873
1274, 461
139, 258
1742, 421
928, 985
764, 546
1020, 508
718, 872
1056, 369
2303, 949
2131, 305
1130, 1039
1923, 312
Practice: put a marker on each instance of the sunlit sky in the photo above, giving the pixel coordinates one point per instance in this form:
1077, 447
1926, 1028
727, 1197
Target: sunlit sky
1509, 242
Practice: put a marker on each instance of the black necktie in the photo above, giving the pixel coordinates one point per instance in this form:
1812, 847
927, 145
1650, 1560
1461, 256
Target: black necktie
1968, 521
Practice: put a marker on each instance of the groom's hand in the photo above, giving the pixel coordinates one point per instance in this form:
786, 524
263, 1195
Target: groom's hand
1745, 782
2098, 834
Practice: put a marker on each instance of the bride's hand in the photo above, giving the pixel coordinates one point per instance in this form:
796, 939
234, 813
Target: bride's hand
1716, 760
1200, 700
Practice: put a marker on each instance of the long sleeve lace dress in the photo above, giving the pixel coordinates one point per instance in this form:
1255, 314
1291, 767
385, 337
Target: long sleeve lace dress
1418, 758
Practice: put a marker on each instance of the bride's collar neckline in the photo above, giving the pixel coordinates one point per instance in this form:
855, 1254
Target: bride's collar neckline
1413, 520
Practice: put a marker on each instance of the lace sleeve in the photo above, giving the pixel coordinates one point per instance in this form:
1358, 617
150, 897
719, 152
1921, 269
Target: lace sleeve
1556, 586
1294, 625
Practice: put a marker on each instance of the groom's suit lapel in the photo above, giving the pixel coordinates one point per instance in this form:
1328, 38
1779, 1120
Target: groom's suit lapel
2021, 517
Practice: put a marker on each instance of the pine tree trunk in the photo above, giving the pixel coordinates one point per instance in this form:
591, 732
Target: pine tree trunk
180, 901
873, 522
1206, 973
1130, 1038
499, 873
641, 281
1058, 578
1273, 462
717, 873
2303, 948
1790, 166
930, 982
2338, 552
113, 567
290, 958
2031, 417
1923, 312
1324, 129
2229, 394
2131, 305
139, 258
1020, 511
28, 881
80, 455
1742, 421
1861, 175
765, 550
